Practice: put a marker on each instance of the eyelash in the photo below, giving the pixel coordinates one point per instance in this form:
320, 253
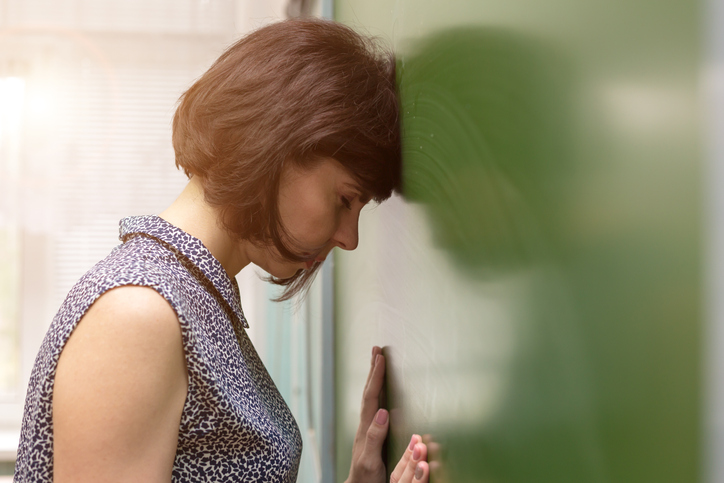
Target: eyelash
347, 202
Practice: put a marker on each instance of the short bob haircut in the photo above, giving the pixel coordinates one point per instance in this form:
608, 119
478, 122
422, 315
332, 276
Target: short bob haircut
296, 91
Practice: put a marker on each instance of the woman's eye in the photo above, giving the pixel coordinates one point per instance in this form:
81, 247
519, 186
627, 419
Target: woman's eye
347, 202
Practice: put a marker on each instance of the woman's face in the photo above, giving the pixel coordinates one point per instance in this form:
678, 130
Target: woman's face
319, 209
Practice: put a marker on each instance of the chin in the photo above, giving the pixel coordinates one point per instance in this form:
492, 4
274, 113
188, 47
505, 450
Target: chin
284, 273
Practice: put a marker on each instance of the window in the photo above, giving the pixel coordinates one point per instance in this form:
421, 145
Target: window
87, 93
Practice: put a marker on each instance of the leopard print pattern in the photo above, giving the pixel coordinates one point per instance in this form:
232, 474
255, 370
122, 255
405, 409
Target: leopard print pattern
235, 426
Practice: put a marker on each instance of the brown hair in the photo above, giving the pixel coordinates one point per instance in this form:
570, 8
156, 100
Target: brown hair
294, 91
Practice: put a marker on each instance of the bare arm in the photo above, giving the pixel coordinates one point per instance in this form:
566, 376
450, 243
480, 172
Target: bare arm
120, 388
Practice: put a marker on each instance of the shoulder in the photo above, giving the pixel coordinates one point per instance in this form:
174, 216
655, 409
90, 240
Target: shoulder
135, 261
132, 289
128, 310
126, 322
131, 305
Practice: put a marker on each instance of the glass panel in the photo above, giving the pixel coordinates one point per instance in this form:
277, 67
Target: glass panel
538, 287
87, 93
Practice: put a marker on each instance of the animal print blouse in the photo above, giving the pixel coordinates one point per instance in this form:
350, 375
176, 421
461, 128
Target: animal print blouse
235, 425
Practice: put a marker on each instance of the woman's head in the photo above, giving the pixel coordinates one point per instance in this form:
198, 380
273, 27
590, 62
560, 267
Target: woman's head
319, 207
287, 97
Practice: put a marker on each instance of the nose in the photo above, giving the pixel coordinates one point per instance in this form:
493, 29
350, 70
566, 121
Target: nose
347, 235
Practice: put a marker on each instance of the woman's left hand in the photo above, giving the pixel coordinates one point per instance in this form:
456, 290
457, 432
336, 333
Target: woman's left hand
367, 464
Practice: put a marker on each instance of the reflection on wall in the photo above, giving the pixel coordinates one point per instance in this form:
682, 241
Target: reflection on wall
484, 121
485, 142
537, 287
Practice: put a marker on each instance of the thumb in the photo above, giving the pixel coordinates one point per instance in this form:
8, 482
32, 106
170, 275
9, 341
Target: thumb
376, 434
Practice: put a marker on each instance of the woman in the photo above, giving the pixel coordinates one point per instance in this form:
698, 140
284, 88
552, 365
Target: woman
146, 373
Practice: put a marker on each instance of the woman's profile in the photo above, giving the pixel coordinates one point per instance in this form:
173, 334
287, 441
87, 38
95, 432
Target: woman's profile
146, 373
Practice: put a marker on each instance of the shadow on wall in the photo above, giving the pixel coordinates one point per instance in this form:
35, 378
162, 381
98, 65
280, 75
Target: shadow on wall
486, 126
585, 240
484, 146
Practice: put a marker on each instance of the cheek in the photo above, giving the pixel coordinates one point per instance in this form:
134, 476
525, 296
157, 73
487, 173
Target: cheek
311, 225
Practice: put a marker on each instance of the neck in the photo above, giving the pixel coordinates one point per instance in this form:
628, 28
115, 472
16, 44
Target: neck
191, 213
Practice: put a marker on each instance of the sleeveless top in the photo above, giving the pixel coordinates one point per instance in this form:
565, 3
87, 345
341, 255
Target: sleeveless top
235, 426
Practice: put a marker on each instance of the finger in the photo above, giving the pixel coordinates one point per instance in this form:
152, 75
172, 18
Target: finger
376, 377
375, 436
422, 472
419, 454
375, 350
433, 449
367, 411
406, 457
370, 397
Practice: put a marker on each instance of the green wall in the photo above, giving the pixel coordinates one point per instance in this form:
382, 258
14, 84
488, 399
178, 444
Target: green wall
538, 288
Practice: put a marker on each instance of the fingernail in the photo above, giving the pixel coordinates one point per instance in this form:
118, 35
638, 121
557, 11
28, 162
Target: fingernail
377, 359
381, 417
419, 472
412, 443
416, 453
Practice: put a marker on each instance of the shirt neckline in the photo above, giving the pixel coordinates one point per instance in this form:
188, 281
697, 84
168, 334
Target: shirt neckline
192, 248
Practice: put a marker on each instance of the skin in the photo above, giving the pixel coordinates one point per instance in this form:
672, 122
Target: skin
121, 381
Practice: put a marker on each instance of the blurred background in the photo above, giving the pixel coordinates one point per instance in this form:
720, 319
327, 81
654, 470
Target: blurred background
548, 287
87, 92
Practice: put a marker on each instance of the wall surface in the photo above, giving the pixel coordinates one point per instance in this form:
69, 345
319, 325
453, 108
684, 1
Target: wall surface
538, 287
